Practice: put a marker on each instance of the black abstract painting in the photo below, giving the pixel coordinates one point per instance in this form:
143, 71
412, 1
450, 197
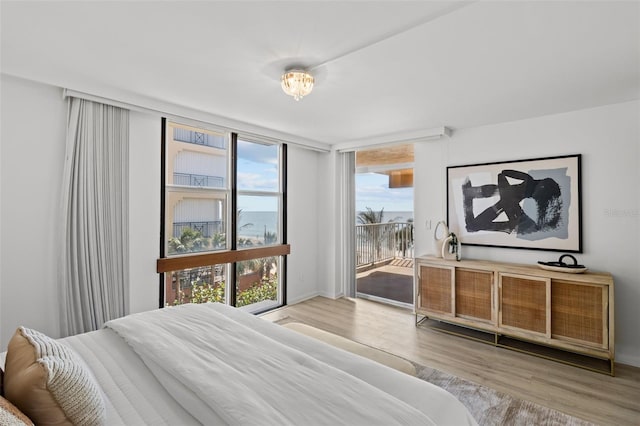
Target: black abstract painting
522, 204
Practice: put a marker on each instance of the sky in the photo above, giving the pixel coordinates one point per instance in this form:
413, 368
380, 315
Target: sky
372, 190
257, 171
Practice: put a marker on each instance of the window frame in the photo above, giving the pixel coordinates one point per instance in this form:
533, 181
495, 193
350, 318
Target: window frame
232, 254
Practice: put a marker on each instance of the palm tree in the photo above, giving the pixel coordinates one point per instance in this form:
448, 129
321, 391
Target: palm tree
239, 219
404, 237
243, 242
269, 237
371, 232
369, 216
219, 240
189, 241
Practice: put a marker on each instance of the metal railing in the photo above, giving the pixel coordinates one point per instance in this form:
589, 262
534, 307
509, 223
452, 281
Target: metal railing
199, 138
379, 242
207, 229
203, 181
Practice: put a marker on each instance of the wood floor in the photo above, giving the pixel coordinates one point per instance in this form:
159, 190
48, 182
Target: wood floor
595, 397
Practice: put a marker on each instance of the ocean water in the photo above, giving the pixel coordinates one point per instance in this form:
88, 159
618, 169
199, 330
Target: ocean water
254, 224
394, 216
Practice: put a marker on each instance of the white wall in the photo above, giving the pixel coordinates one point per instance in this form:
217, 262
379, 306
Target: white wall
32, 144
302, 219
144, 210
330, 280
608, 139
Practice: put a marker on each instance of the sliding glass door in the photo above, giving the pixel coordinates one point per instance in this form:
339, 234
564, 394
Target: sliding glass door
384, 224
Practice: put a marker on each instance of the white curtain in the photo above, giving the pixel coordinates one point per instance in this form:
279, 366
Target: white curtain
346, 221
94, 256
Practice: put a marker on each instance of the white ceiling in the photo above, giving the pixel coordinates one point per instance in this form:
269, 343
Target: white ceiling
381, 68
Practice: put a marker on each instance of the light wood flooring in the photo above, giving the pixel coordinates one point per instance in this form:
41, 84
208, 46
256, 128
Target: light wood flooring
595, 397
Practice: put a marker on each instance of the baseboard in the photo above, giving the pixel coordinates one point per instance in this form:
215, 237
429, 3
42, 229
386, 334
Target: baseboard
633, 361
330, 296
312, 295
383, 300
302, 298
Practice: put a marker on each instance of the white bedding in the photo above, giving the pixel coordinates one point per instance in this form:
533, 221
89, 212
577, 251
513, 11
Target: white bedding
213, 364
133, 395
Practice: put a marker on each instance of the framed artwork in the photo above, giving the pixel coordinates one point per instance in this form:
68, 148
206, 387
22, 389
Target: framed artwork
527, 204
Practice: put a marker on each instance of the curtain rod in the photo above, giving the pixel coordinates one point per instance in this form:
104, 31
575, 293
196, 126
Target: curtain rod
396, 139
206, 118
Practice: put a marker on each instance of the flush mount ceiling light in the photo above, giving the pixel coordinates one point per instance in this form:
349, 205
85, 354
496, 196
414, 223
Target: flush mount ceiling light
297, 83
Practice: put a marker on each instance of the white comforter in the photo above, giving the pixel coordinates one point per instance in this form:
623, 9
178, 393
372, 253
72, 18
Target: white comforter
226, 366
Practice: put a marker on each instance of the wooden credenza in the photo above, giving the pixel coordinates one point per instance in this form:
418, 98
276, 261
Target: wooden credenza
563, 316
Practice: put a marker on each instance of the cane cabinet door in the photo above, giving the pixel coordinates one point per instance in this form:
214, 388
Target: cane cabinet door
474, 294
525, 304
436, 289
579, 313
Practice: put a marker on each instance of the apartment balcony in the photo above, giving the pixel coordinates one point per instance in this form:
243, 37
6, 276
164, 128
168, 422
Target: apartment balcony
201, 181
206, 229
198, 138
384, 262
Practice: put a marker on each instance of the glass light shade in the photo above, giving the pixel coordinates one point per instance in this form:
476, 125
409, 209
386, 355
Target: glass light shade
297, 83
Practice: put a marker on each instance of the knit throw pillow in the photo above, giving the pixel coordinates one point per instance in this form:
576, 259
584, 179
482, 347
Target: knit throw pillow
48, 382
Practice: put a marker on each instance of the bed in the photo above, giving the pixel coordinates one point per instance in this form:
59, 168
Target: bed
214, 364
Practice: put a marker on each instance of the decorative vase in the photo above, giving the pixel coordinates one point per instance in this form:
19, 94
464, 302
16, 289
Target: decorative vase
451, 249
439, 242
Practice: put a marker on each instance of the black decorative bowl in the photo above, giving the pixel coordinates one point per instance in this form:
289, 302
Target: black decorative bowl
560, 266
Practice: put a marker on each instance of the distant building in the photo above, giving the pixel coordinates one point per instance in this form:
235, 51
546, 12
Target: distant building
196, 166
196, 182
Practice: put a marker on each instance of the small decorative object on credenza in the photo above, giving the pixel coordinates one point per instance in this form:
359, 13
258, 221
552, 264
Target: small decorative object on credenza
561, 266
439, 241
448, 245
451, 248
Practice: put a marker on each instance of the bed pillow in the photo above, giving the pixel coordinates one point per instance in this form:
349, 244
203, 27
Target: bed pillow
1, 382
11, 416
48, 382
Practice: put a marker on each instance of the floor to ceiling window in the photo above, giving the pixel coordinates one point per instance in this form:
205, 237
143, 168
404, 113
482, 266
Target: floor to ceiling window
224, 218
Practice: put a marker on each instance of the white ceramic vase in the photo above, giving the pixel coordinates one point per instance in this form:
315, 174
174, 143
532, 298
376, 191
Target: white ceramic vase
439, 241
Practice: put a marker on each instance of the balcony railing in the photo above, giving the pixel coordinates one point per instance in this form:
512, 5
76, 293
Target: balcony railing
379, 242
202, 181
207, 229
198, 138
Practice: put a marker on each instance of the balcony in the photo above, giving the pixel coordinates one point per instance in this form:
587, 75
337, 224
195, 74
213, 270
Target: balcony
206, 229
201, 181
384, 262
198, 138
